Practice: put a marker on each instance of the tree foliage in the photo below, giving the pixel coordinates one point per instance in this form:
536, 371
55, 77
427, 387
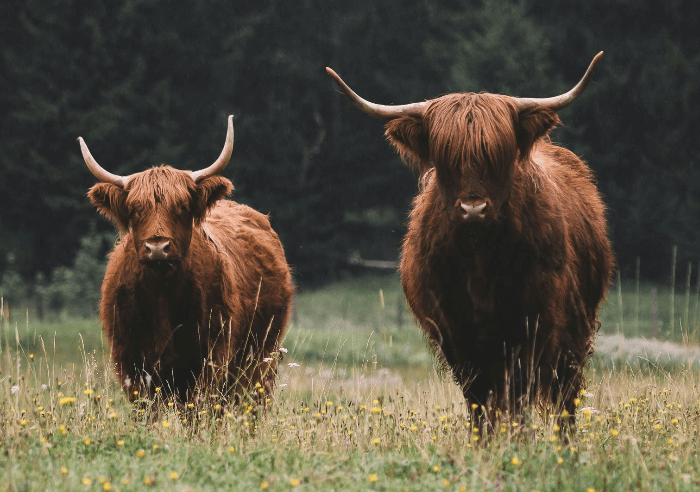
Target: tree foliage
148, 82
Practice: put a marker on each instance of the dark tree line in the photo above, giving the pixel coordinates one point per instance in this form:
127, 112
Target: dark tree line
149, 81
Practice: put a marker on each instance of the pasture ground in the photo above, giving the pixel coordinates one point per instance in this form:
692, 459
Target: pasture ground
359, 406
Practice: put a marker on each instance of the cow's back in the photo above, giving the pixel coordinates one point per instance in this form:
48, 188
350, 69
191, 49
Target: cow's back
253, 260
580, 205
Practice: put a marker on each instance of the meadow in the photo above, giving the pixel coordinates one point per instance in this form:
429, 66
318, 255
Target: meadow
360, 405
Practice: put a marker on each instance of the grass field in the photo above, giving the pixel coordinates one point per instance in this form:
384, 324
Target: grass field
359, 406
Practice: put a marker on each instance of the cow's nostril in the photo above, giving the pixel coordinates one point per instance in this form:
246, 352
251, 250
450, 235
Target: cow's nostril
157, 250
473, 212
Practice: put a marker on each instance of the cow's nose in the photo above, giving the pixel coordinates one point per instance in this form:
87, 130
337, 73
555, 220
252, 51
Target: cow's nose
158, 249
473, 212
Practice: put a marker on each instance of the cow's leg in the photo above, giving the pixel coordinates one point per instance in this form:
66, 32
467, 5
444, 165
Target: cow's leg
566, 387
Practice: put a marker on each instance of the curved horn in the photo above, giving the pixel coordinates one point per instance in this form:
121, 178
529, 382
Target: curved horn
378, 111
223, 159
559, 102
98, 171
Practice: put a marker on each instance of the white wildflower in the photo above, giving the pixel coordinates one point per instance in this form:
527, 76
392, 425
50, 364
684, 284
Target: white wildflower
293, 364
267, 359
14, 389
43, 387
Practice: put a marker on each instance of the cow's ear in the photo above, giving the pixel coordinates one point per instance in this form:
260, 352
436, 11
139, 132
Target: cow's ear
533, 124
208, 192
110, 201
408, 135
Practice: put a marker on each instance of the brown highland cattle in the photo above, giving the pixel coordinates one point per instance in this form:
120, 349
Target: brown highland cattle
507, 255
197, 292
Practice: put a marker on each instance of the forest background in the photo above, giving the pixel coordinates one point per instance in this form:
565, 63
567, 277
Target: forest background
147, 82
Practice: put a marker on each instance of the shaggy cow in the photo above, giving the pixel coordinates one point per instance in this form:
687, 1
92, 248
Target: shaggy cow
507, 256
198, 290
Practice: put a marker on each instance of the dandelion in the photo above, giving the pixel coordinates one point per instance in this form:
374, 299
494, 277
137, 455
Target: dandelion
87, 392
140, 453
174, 475
560, 460
446, 482
515, 461
590, 489
66, 400
614, 432
64, 470
125, 481
373, 478
87, 481
23, 422
376, 441
86, 442
154, 447
166, 424
436, 468
294, 482
231, 449
148, 481
107, 486
264, 484
62, 429
120, 442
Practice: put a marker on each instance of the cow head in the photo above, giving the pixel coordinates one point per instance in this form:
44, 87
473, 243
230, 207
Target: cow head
476, 143
160, 206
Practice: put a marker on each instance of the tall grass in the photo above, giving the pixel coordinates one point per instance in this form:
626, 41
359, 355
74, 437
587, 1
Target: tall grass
358, 406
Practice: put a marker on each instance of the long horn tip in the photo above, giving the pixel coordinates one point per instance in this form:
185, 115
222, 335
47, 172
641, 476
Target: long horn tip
597, 58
